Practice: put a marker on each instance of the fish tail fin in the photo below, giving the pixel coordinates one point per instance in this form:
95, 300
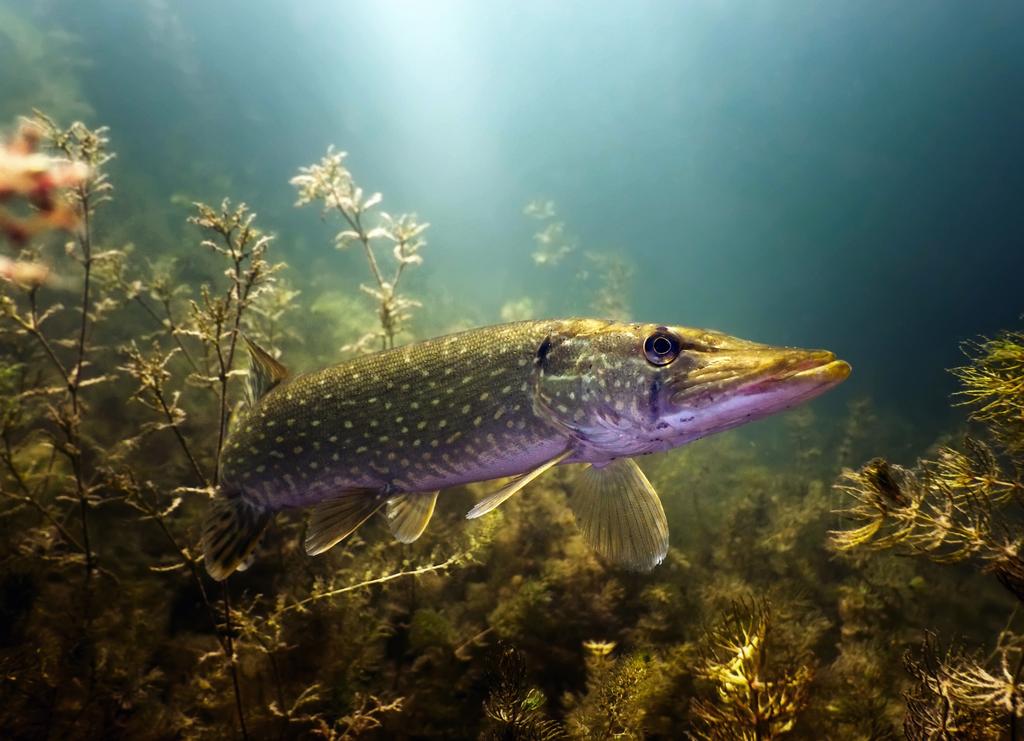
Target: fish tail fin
231, 531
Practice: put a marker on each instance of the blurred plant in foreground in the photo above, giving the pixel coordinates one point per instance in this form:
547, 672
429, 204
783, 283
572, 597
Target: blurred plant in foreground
330, 183
39, 179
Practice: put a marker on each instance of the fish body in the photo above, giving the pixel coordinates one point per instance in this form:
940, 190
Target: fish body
387, 431
427, 416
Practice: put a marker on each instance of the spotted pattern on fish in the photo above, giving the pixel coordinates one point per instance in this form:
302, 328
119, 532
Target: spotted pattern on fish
431, 415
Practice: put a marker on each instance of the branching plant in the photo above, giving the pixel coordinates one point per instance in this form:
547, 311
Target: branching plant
330, 184
759, 690
961, 506
957, 694
217, 318
606, 275
515, 708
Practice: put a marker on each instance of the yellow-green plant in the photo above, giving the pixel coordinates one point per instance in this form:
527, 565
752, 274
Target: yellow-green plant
960, 506
618, 692
760, 685
217, 318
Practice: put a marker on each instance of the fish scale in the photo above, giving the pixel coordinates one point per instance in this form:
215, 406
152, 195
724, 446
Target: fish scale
432, 415
388, 431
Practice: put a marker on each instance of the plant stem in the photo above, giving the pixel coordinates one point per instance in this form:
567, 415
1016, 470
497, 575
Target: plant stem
172, 328
74, 437
451, 560
229, 647
181, 438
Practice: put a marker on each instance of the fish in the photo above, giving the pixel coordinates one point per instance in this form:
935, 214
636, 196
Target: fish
387, 432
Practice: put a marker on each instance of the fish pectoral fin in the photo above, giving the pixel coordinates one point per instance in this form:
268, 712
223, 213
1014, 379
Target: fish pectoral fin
409, 513
491, 501
620, 515
265, 372
332, 521
231, 532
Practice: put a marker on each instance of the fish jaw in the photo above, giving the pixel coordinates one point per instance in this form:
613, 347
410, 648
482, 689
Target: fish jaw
746, 385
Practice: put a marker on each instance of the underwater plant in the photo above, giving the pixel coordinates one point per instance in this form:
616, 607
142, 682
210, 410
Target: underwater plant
956, 506
330, 183
604, 274
961, 506
71, 478
761, 687
68, 358
514, 708
483, 629
618, 692
40, 180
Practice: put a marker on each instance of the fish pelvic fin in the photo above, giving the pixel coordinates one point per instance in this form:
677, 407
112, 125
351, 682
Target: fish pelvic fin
265, 372
491, 501
409, 513
333, 520
231, 533
620, 515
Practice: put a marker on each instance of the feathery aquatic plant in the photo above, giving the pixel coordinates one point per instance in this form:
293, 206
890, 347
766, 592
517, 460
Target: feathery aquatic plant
605, 274
960, 506
514, 708
330, 183
759, 690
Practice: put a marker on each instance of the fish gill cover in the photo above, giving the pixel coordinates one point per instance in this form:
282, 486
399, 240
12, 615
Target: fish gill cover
846, 177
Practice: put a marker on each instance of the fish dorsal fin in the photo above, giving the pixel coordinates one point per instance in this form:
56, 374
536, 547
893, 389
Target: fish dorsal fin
620, 515
332, 521
265, 372
491, 501
409, 513
231, 532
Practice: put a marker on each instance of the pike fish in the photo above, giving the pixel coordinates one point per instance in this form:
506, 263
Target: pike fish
386, 432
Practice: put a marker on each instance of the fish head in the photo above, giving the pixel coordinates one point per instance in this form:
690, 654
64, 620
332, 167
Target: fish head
629, 389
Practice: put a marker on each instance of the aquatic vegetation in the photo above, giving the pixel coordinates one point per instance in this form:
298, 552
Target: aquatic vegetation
41, 181
71, 478
217, 320
330, 184
957, 506
962, 695
514, 708
992, 384
618, 692
505, 627
604, 274
960, 506
761, 687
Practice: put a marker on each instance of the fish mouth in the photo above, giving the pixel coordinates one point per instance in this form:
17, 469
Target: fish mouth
785, 375
811, 368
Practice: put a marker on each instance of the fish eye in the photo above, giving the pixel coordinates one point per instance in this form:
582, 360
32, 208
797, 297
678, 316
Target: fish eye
661, 347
